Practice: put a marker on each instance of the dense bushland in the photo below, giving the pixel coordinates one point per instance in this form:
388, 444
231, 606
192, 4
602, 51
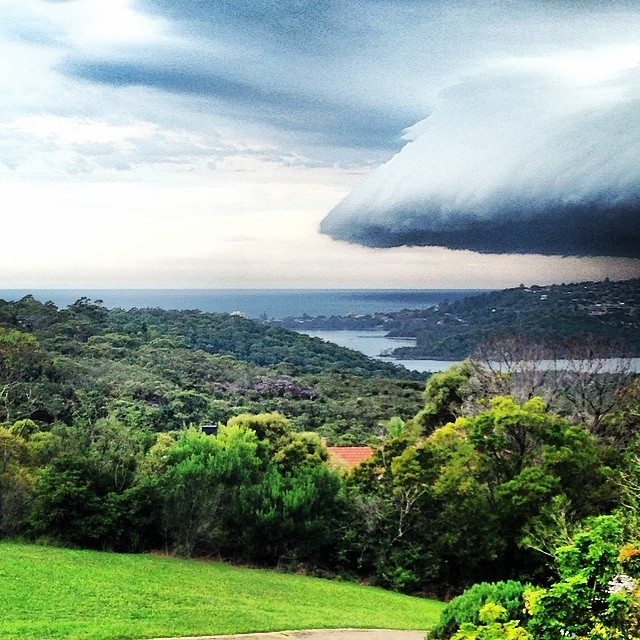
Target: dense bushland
495, 475
163, 370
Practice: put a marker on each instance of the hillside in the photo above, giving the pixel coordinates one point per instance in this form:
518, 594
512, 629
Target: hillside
82, 595
166, 369
608, 312
68, 329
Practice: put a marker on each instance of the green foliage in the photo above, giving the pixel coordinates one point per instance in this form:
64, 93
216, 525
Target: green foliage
251, 341
289, 517
456, 507
268, 427
528, 456
267, 499
394, 427
16, 481
444, 395
165, 370
74, 504
196, 477
19, 355
492, 626
467, 608
85, 492
301, 449
21, 363
24, 428
101, 447
560, 312
597, 594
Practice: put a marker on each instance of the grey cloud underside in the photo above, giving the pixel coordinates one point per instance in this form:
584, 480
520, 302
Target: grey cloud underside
588, 229
332, 27
334, 122
302, 24
348, 73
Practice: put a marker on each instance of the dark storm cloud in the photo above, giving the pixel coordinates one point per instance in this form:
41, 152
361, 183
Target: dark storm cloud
512, 163
348, 73
589, 229
298, 65
513, 158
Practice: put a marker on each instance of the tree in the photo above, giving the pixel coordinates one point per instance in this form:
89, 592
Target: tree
527, 457
594, 382
466, 608
454, 507
596, 595
196, 476
21, 362
290, 516
621, 426
420, 515
517, 366
583, 378
16, 480
301, 449
86, 489
267, 426
71, 502
119, 448
445, 395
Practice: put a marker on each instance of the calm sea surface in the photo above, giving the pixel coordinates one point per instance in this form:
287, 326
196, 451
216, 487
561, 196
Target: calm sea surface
274, 303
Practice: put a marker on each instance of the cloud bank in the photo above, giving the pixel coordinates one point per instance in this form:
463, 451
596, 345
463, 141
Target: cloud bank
140, 139
534, 156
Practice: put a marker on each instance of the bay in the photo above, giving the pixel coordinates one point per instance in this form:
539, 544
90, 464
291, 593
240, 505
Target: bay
376, 344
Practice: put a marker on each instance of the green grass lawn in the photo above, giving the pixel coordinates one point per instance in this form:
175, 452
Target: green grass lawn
47, 592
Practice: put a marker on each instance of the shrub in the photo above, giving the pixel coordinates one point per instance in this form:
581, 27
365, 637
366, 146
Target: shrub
465, 609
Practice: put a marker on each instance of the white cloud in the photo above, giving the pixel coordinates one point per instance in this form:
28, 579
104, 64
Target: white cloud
515, 160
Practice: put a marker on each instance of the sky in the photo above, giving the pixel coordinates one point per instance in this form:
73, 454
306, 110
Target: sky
318, 144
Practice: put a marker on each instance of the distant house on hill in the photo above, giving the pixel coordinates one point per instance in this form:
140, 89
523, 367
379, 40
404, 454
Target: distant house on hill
348, 457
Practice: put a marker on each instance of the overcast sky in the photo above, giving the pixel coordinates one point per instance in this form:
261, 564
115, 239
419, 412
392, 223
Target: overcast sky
299, 143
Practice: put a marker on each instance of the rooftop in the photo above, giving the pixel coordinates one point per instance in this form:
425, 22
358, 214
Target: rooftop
349, 457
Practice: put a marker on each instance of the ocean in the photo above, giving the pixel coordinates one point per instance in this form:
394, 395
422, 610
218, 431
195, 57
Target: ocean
254, 303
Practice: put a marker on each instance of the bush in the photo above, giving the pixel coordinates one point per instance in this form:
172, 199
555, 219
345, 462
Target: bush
466, 607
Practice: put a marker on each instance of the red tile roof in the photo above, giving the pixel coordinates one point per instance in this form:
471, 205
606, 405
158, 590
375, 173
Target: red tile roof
349, 456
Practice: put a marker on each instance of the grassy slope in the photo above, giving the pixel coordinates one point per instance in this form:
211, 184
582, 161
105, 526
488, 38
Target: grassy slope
49, 593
